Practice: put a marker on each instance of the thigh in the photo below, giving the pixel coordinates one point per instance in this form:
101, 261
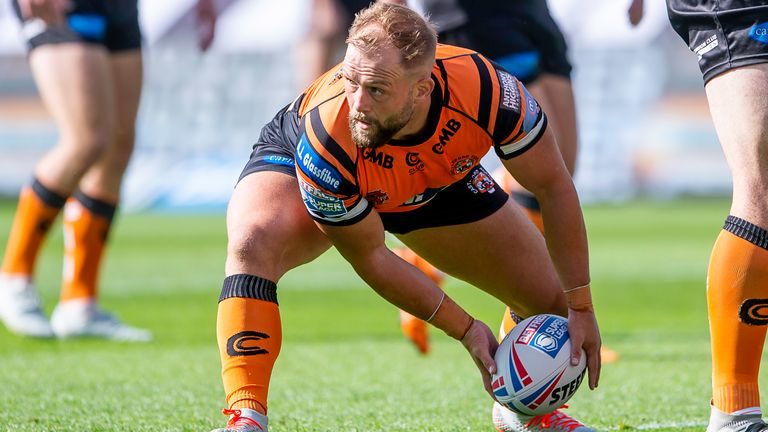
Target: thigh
738, 101
502, 254
268, 227
127, 73
75, 82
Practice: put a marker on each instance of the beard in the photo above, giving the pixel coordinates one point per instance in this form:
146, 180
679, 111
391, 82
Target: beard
378, 133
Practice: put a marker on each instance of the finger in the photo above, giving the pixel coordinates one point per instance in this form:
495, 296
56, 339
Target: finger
593, 366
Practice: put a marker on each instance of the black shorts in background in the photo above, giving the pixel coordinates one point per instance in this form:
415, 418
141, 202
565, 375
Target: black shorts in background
725, 34
519, 35
113, 24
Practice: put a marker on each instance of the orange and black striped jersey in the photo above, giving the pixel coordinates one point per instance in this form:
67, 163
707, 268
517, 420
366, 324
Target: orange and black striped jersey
475, 106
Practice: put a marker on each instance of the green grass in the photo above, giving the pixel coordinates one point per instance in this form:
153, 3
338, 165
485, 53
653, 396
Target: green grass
344, 365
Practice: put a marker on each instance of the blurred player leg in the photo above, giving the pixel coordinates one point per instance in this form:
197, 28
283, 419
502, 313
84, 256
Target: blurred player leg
74, 82
413, 328
88, 215
269, 233
323, 43
738, 270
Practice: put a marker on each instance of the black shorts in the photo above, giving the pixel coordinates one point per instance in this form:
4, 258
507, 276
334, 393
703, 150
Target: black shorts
113, 24
471, 199
725, 34
519, 35
276, 148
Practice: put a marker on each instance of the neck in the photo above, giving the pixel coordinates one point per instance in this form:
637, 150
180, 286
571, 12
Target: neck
418, 120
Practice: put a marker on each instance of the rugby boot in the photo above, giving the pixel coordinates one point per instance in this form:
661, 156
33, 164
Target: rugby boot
506, 420
20, 308
244, 420
84, 318
745, 421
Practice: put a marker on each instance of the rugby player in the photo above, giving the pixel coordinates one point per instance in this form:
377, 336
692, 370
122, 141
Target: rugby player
391, 140
85, 56
731, 40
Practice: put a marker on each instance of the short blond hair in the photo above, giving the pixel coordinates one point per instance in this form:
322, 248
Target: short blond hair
382, 24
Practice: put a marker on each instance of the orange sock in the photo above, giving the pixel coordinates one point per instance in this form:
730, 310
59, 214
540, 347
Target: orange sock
508, 322
249, 335
530, 205
737, 302
420, 263
86, 227
37, 210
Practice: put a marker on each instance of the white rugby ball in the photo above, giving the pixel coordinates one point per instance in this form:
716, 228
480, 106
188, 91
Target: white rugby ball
534, 373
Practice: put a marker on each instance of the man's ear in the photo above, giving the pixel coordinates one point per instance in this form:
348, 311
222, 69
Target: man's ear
424, 88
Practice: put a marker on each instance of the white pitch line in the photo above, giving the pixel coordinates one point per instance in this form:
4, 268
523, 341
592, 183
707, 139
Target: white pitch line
655, 426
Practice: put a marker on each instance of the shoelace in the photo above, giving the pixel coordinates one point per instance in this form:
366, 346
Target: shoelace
555, 418
237, 420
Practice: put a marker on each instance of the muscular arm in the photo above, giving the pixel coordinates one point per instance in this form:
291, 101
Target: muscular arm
542, 171
362, 244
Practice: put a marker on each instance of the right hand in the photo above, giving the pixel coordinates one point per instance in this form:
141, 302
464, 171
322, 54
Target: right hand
53, 12
482, 345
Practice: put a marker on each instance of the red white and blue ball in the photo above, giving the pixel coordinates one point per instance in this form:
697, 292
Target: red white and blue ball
534, 373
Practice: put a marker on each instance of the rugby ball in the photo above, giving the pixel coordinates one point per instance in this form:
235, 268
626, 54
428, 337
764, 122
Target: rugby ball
534, 373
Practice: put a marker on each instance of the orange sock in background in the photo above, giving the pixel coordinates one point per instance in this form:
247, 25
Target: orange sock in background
508, 322
737, 302
36, 211
420, 263
249, 336
86, 227
530, 205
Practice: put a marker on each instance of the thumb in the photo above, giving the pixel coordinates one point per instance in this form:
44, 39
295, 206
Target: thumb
488, 363
575, 354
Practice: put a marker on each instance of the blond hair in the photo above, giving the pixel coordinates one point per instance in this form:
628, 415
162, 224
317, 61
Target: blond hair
383, 24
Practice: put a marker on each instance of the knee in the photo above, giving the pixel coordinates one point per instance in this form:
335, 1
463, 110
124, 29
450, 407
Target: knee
89, 145
254, 251
121, 150
552, 304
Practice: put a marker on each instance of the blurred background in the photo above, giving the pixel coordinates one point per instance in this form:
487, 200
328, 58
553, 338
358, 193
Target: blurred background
644, 126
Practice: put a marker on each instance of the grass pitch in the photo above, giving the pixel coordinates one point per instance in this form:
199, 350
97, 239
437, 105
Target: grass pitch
344, 365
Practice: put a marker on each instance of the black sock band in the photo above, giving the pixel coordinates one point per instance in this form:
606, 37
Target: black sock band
515, 317
249, 286
746, 230
47, 196
95, 206
526, 199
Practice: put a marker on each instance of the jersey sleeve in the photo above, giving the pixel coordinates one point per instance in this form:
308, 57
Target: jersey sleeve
328, 194
520, 122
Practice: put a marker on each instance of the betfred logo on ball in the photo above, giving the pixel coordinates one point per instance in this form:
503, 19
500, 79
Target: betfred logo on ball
534, 374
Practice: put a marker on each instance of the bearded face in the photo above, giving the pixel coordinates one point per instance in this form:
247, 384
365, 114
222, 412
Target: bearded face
369, 132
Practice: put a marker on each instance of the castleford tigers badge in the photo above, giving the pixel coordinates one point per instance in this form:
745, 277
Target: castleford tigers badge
462, 164
377, 197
